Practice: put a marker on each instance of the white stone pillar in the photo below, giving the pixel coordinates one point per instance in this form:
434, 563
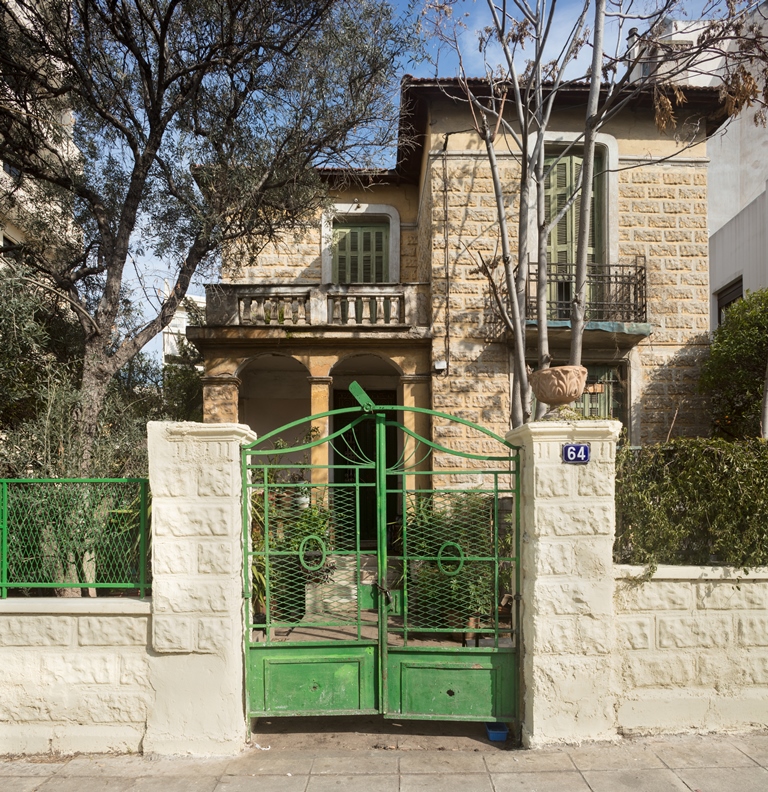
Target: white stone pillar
196, 669
568, 526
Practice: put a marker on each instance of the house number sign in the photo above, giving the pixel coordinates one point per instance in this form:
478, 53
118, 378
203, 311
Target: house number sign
576, 453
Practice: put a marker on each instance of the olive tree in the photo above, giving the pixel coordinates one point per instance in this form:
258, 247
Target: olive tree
152, 134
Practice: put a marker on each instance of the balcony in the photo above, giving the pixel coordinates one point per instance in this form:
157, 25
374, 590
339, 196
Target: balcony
616, 305
615, 292
395, 307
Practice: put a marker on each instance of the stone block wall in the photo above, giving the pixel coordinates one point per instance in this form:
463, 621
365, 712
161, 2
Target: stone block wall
465, 330
692, 649
75, 674
568, 627
163, 675
663, 217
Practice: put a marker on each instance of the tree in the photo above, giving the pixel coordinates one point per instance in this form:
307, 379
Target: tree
170, 130
513, 103
735, 376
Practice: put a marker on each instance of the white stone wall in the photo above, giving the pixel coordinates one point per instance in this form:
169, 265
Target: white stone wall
75, 674
567, 520
692, 649
606, 651
164, 675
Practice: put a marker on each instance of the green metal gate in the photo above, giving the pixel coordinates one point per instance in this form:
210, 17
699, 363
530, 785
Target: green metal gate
413, 617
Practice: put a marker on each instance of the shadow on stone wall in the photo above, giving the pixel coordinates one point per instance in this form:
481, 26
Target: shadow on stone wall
669, 403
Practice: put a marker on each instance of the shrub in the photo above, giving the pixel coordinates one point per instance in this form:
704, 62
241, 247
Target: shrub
733, 374
693, 501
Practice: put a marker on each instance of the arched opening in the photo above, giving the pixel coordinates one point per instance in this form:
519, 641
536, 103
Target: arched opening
381, 381
274, 392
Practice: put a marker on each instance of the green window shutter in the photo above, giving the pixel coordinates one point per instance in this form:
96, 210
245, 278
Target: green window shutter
558, 188
360, 254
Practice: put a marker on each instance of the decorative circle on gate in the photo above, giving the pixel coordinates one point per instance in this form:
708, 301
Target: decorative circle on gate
322, 551
453, 559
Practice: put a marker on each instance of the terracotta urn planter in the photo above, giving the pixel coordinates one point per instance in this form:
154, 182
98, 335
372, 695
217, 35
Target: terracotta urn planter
558, 386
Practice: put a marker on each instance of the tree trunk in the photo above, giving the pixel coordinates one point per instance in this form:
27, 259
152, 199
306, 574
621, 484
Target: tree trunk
541, 276
93, 393
521, 375
578, 310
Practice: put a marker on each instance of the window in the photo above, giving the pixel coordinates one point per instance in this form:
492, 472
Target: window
727, 297
6, 241
561, 250
604, 395
360, 244
360, 253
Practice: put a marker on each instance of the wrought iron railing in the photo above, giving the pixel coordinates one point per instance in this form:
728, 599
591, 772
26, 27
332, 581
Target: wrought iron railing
615, 292
82, 534
382, 305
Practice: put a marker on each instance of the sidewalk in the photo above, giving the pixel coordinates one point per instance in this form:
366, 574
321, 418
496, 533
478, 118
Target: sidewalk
423, 758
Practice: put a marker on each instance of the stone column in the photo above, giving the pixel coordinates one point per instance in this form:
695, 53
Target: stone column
568, 633
416, 394
196, 669
220, 398
320, 402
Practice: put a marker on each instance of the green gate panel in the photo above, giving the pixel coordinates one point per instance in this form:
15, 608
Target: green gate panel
312, 680
364, 572
452, 685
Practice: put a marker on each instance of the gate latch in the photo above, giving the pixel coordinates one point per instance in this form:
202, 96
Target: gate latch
385, 592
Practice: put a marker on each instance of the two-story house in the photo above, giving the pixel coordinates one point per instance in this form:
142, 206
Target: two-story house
384, 288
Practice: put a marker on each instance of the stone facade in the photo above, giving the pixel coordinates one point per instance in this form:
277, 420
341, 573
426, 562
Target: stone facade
663, 218
652, 215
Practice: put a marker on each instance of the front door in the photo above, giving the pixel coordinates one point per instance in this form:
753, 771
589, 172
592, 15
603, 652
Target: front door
408, 611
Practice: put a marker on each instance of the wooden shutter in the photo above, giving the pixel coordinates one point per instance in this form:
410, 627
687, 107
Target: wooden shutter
360, 254
558, 188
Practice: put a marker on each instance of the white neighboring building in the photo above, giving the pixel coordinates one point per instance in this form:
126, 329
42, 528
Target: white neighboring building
177, 329
738, 209
738, 213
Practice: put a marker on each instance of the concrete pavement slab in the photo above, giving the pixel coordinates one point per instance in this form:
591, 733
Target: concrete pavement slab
21, 783
440, 782
266, 763
700, 753
442, 762
539, 782
614, 757
726, 779
273, 783
638, 780
340, 783
755, 747
23, 767
364, 762
521, 761
133, 765
85, 784
174, 784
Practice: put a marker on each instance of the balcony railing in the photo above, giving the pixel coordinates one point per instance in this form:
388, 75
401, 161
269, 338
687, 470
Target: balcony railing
383, 306
615, 292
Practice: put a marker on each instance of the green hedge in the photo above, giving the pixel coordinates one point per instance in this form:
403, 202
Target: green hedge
693, 501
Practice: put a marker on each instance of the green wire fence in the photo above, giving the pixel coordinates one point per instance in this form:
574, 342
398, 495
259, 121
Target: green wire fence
74, 534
